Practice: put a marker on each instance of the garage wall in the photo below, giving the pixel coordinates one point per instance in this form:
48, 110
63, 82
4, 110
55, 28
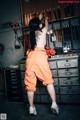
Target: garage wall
10, 12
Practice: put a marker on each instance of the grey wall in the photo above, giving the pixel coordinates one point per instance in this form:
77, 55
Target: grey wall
10, 12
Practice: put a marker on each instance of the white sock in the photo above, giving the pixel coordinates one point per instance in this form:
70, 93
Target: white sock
54, 104
31, 106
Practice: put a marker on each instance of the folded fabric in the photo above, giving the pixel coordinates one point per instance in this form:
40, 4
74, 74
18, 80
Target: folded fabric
50, 51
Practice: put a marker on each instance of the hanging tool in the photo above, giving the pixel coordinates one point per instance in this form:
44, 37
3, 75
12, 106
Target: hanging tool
17, 44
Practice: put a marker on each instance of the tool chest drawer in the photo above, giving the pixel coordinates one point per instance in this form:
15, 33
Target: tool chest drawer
52, 64
13, 85
70, 90
67, 63
68, 72
69, 81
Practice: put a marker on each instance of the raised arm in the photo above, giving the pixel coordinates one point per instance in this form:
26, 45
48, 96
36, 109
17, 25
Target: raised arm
46, 22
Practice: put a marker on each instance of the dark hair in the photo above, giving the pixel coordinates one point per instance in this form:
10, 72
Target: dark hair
33, 25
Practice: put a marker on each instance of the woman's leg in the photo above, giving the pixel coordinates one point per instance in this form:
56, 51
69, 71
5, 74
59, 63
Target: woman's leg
31, 98
32, 109
51, 91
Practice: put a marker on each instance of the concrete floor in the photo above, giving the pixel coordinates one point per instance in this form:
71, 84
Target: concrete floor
19, 111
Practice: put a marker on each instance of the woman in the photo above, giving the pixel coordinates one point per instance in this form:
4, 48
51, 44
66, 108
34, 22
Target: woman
37, 65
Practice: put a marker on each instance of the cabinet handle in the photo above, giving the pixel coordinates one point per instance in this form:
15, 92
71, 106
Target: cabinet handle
67, 64
69, 83
67, 72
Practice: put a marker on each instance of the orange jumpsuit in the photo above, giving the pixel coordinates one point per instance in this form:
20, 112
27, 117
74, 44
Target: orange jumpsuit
37, 66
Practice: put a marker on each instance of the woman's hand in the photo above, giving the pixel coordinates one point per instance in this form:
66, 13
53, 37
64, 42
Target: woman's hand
46, 18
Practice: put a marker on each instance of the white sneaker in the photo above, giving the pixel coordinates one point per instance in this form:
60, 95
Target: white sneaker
32, 110
55, 109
